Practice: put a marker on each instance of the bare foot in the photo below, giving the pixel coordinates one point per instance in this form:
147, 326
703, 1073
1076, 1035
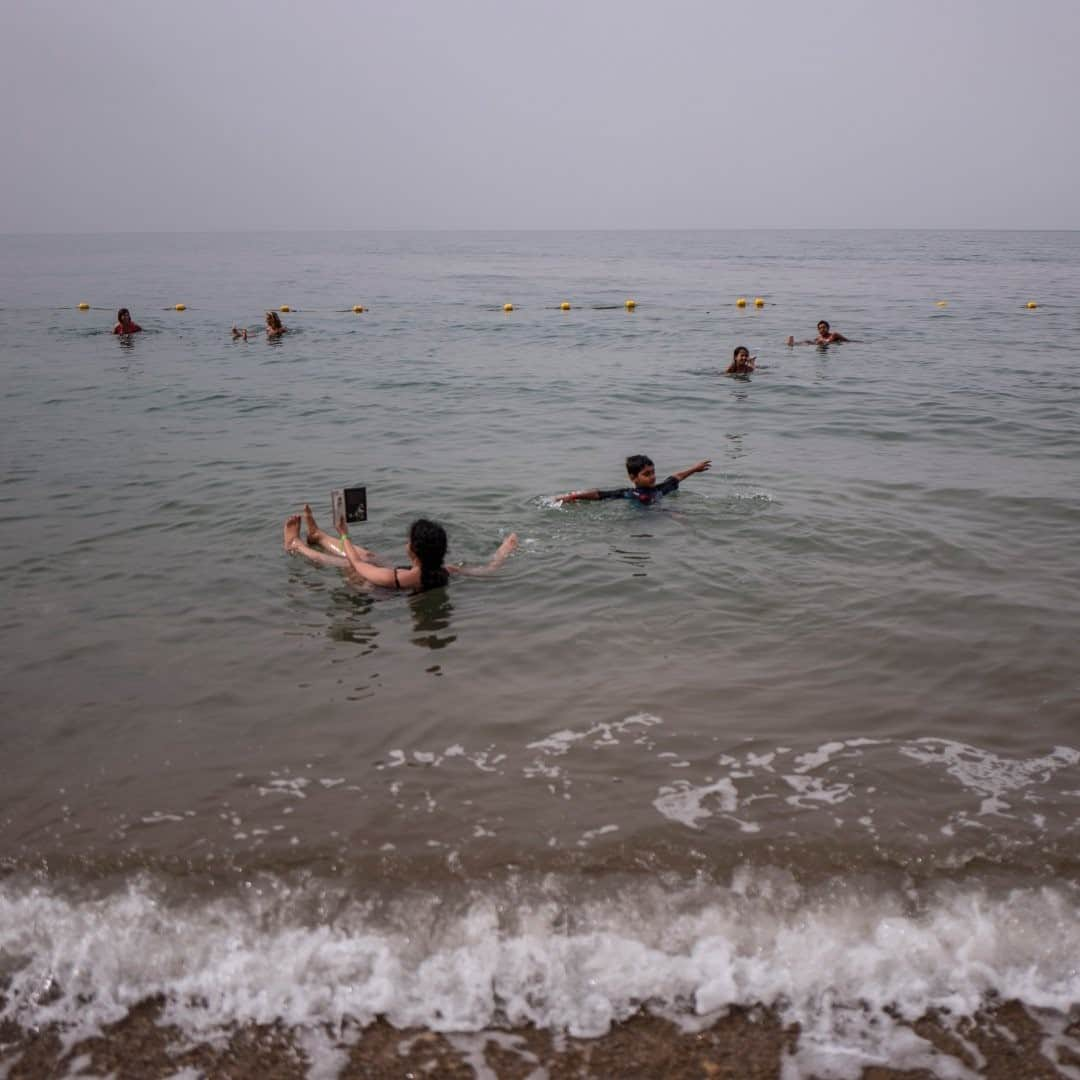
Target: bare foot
292, 532
509, 544
313, 530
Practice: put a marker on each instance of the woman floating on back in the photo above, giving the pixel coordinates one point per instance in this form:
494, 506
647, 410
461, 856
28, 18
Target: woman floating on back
274, 327
425, 547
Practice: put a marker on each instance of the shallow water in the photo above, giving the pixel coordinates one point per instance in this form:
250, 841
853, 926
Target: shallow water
828, 687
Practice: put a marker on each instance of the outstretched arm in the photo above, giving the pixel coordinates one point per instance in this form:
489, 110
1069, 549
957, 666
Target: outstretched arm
493, 564
701, 466
577, 496
318, 538
377, 575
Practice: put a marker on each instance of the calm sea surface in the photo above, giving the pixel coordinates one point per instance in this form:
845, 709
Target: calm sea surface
806, 734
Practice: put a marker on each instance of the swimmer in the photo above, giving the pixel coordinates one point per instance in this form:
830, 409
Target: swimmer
125, 324
742, 363
825, 336
425, 547
238, 333
274, 326
642, 473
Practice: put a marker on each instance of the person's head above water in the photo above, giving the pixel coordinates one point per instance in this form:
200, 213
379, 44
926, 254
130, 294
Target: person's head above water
125, 324
822, 327
742, 363
641, 470
427, 544
273, 321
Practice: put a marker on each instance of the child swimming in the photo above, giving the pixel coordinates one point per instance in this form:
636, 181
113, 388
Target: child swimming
642, 473
742, 363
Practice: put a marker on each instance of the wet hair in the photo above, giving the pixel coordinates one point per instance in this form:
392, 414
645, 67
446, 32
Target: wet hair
822, 322
636, 462
121, 313
739, 349
273, 320
428, 542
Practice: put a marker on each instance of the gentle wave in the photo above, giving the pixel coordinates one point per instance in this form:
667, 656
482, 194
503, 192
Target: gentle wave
853, 964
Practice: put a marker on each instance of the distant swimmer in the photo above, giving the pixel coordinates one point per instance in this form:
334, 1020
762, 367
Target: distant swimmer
274, 326
642, 473
237, 332
125, 324
425, 547
825, 336
742, 363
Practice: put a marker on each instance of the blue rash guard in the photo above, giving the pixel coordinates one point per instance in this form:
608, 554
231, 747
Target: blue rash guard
645, 496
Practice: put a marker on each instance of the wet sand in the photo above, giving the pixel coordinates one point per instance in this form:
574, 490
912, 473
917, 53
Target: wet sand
745, 1045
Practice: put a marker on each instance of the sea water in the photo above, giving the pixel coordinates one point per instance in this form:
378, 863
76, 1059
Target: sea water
804, 734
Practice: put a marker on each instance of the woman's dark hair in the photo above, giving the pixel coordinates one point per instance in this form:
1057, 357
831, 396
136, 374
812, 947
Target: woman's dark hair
121, 313
739, 349
273, 320
428, 542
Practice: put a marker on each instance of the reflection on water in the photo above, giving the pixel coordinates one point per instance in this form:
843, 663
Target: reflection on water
636, 559
349, 620
431, 616
735, 448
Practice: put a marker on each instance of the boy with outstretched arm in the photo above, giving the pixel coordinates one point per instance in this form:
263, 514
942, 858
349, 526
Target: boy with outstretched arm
642, 473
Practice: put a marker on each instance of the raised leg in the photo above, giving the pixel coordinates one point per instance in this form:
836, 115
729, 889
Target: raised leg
295, 546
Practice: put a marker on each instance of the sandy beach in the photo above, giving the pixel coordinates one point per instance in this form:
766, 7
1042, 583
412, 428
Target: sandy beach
1002, 1043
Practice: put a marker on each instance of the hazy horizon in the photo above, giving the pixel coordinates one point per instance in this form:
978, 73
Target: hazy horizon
538, 229
427, 117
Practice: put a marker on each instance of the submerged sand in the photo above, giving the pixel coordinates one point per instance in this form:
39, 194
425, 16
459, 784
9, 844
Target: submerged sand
747, 1044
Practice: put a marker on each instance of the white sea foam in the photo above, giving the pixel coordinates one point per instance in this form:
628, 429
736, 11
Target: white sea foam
848, 965
988, 775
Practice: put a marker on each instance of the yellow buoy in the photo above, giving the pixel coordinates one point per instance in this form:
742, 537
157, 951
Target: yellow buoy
941, 303
758, 302
508, 307
1032, 304
630, 305
741, 302
565, 305
181, 307
358, 309
83, 305
284, 307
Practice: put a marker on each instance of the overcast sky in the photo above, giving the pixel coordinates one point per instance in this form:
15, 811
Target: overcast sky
134, 115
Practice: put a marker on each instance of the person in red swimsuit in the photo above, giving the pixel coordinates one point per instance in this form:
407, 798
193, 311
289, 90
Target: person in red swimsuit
125, 324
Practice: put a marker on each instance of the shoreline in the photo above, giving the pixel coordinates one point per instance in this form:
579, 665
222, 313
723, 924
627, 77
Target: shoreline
1005, 1041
